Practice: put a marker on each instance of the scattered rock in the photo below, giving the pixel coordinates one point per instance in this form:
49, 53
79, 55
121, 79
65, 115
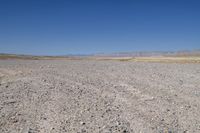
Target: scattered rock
109, 96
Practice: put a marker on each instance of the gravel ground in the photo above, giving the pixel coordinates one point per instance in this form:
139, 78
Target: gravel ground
84, 96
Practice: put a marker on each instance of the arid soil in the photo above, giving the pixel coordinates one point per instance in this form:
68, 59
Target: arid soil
87, 96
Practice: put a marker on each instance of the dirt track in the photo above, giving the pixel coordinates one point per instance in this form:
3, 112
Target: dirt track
77, 96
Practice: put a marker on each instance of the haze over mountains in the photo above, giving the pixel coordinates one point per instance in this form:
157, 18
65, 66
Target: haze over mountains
117, 54
152, 53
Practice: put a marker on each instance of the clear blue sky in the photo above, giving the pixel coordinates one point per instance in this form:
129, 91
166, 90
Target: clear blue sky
60, 27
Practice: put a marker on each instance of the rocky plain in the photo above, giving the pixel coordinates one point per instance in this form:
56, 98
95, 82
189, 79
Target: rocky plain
90, 96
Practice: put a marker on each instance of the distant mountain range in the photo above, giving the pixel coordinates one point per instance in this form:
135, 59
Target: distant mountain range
116, 54
151, 53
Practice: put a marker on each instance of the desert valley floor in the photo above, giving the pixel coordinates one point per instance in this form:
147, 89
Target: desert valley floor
88, 96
